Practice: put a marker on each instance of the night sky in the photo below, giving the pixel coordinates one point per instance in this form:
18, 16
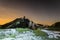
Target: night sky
43, 12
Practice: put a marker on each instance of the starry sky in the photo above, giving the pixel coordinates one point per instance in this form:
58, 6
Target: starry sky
43, 11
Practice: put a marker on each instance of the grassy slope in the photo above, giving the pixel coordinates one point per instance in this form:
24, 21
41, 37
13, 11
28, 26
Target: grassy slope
37, 32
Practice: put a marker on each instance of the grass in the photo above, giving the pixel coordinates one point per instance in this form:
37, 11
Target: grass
2, 29
12, 36
38, 32
2, 36
54, 29
22, 29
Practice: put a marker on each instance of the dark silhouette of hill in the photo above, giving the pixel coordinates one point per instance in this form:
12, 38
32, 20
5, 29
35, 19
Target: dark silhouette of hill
19, 22
26, 23
55, 26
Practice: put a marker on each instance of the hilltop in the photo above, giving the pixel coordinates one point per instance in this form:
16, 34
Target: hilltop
21, 23
27, 23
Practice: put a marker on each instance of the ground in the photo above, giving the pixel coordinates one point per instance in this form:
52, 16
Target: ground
23, 34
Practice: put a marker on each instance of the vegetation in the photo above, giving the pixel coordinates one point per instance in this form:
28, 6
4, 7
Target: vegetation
12, 35
22, 25
55, 26
22, 29
38, 32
